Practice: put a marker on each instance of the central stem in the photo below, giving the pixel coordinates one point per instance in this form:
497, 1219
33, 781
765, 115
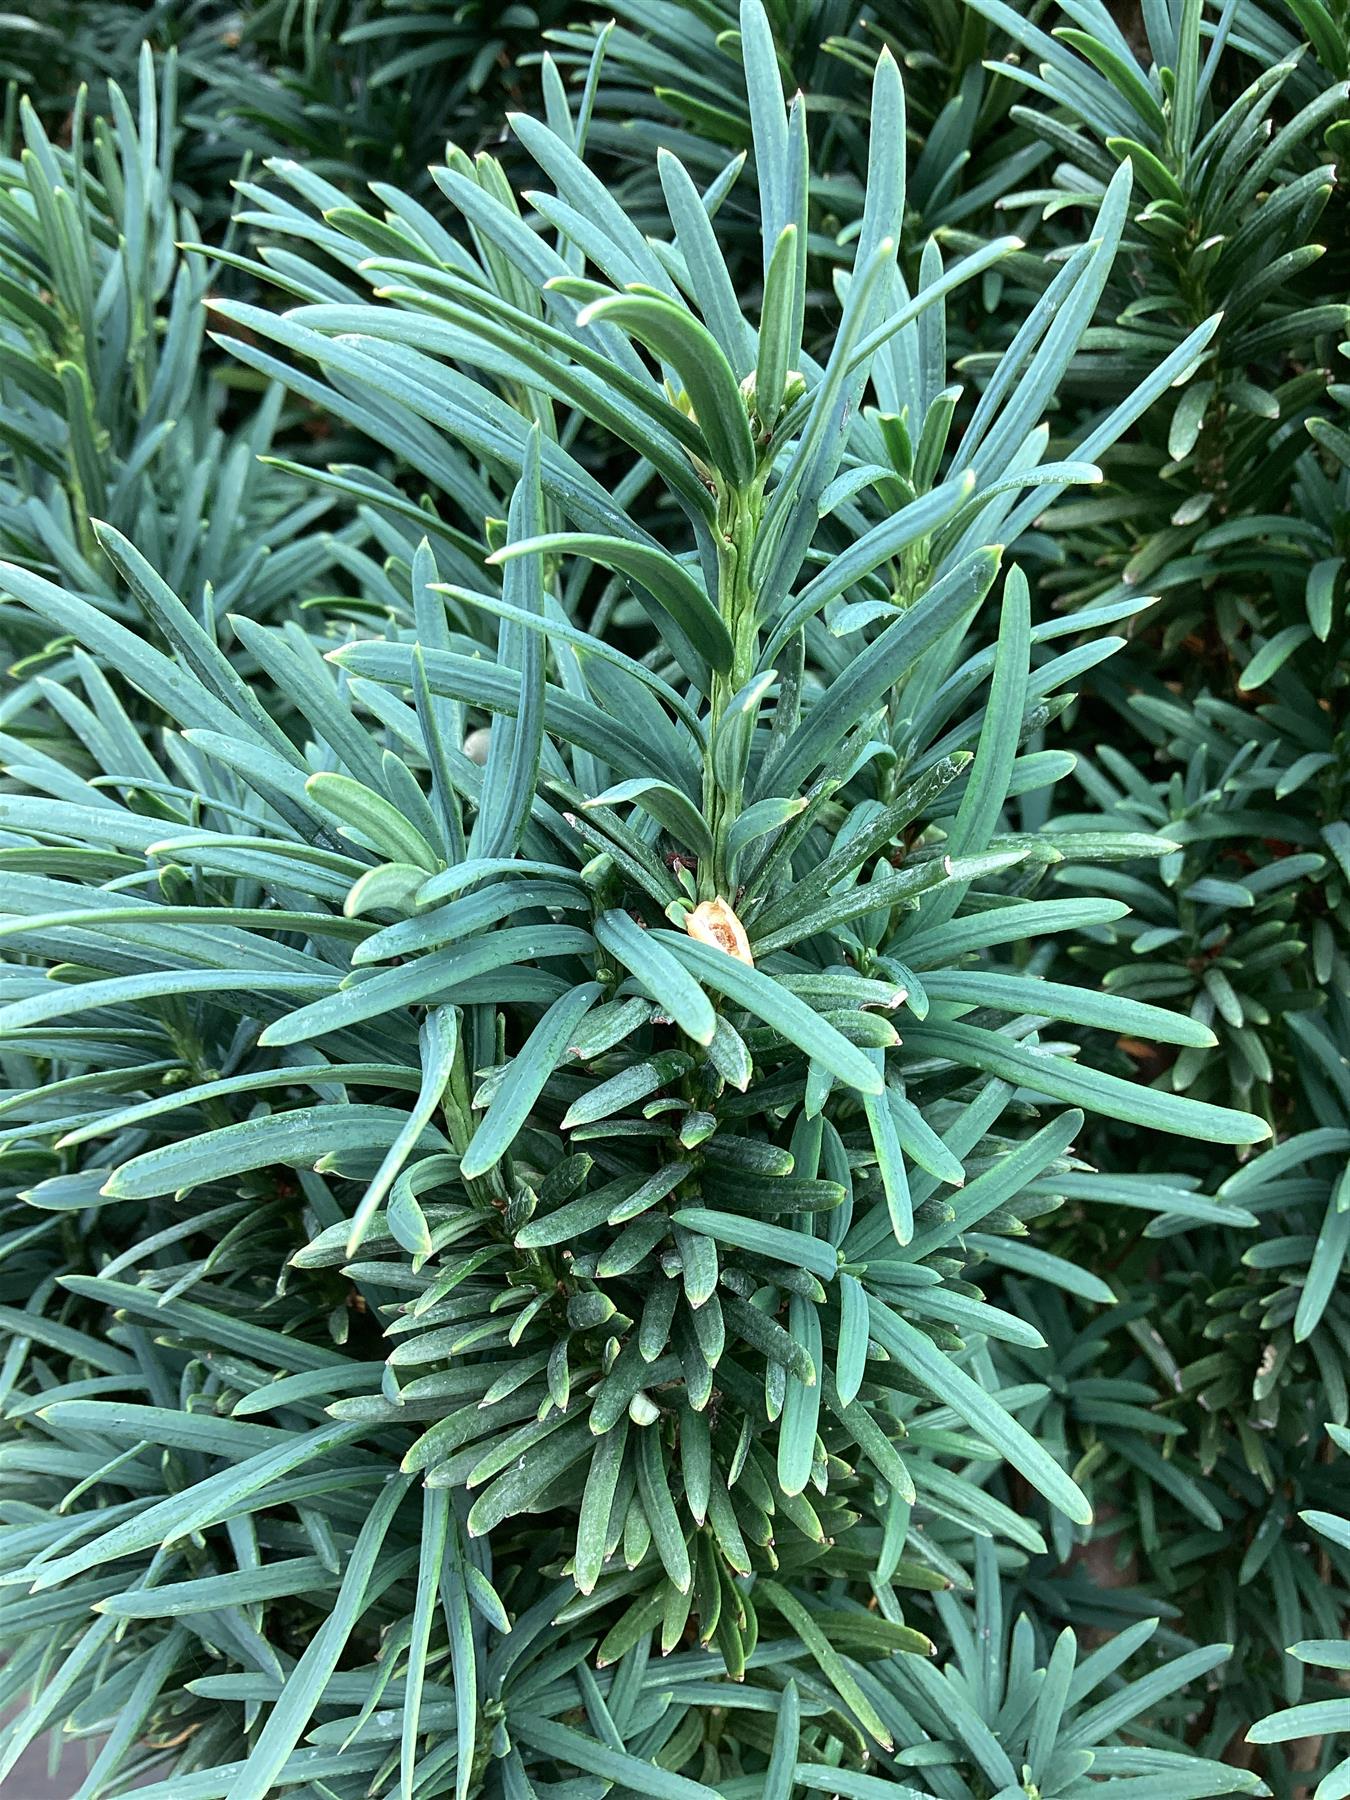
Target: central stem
738, 518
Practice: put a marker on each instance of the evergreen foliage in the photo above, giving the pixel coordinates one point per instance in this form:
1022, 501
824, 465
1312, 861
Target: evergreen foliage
675, 993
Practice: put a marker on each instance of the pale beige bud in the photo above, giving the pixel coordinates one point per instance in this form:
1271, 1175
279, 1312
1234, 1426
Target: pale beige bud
715, 923
477, 742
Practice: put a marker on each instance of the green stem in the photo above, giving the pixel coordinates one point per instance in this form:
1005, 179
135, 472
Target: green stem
739, 514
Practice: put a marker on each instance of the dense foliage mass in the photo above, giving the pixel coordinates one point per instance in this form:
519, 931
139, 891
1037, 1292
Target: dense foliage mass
675, 997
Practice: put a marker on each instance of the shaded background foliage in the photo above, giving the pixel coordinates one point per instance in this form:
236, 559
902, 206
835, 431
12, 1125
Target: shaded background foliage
264, 495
